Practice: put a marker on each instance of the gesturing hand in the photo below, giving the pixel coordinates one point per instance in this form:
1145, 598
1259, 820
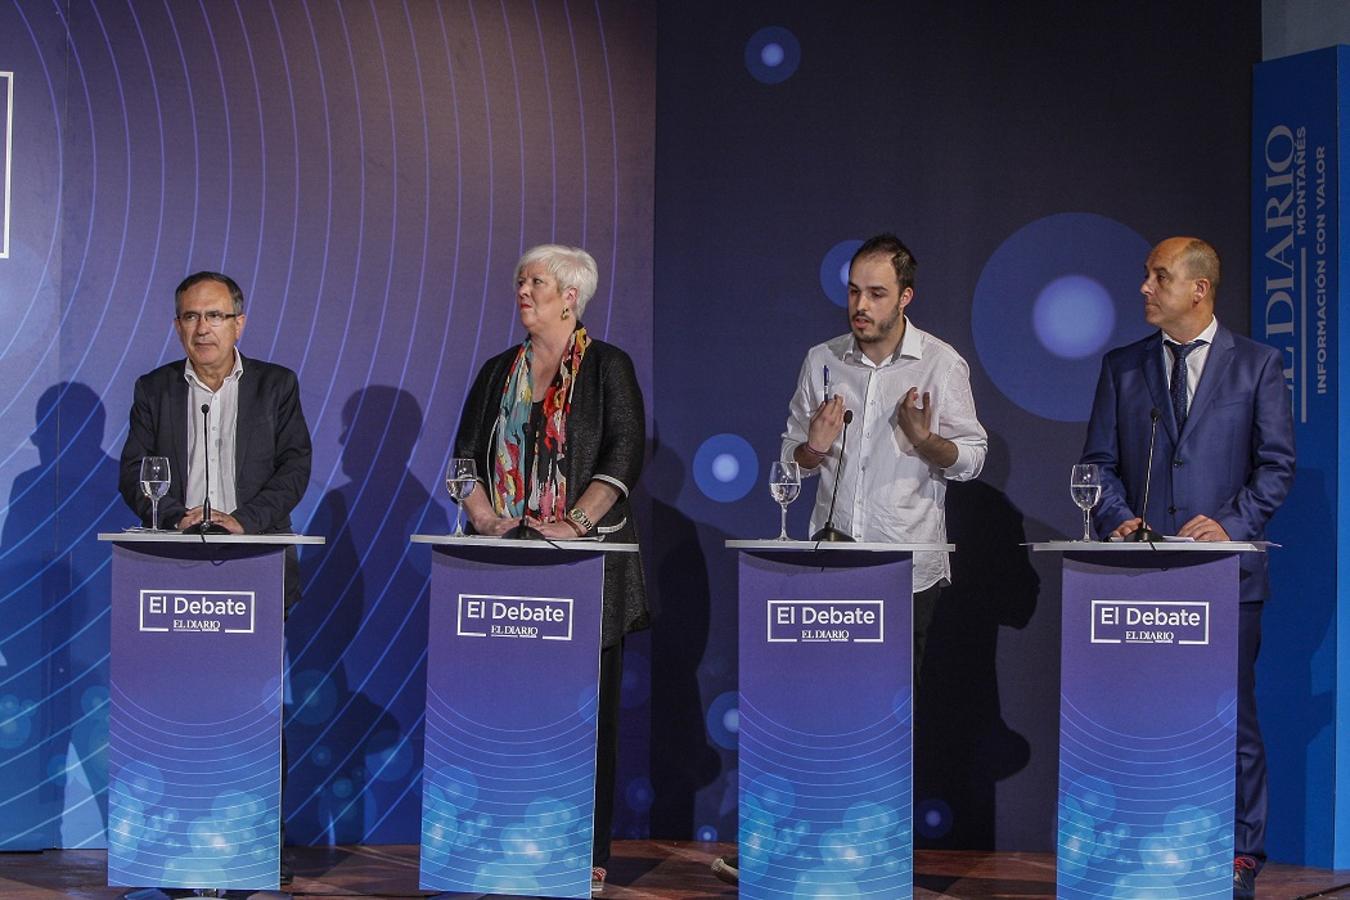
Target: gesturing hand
826, 423
915, 420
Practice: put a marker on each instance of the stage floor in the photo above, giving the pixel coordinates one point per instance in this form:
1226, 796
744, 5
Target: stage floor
640, 870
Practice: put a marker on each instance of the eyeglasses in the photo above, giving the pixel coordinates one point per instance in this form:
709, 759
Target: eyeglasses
214, 317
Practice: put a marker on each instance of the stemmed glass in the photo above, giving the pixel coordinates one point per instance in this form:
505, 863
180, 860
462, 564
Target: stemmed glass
1085, 486
785, 483
460, 479
154, 484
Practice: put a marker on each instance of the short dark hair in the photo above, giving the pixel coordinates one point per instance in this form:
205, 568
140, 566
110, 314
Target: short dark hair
197, 278
890, 246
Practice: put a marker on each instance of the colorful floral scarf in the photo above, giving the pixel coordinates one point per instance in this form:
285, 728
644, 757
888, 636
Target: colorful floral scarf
547, 480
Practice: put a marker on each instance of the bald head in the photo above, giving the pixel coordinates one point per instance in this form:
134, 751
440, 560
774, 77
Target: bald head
1197, 258
1181, 278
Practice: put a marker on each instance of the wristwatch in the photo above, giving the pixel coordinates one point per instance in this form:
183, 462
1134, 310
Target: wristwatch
578, 516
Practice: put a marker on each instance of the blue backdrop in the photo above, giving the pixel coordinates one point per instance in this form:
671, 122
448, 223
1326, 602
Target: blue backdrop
369, 171
1029, 154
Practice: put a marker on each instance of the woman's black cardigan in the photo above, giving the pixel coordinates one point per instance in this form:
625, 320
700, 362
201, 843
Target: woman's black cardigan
606, 432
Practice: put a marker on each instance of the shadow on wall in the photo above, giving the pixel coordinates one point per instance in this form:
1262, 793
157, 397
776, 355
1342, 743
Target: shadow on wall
54, 656
682, 760
963, 747
357, 640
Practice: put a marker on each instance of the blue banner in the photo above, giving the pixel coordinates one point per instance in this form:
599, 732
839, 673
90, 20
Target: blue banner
826, 733
1148, 724
1299, 122
194, 742
512, 671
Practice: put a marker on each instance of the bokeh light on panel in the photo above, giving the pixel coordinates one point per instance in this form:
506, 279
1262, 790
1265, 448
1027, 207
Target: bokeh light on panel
725, 467
724, 720
933, 818
772, 54
1073, 317
834, 271
1057, 294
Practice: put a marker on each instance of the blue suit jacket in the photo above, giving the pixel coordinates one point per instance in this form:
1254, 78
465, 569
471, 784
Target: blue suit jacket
1233, 462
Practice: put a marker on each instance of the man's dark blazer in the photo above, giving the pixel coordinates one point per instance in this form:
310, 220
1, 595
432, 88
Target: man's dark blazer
272, 449
1233, 461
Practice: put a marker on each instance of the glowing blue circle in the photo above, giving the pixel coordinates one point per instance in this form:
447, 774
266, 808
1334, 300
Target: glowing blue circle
639, 795
1074, 317
718, 712
933, 818
705, 833
725, 467
772, 54
834, 271
1037, 338
636, 687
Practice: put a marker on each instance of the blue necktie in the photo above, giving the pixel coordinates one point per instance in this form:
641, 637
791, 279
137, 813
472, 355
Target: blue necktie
1178, 391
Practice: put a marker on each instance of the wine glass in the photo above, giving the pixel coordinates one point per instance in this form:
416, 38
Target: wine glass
154, 484
1085, 486
460, 479
785, 483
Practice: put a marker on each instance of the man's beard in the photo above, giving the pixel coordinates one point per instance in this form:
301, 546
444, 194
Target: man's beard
884, 329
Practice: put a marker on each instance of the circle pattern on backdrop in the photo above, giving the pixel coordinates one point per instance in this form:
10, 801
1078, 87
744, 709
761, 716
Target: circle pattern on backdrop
1051, 299
834, 271
725, 467
724, 721
933, 818
772, 54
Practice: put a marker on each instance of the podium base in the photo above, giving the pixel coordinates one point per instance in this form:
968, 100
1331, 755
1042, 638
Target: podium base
831, 535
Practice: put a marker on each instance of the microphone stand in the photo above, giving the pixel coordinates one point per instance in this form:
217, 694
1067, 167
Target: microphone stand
206, 526
1144, 534
828, 533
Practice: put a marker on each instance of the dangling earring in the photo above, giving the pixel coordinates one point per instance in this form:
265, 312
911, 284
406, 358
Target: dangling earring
567, 314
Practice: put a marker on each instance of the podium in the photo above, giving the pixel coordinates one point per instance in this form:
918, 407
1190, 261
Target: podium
194, 725
1148, 718
826, 718
513, 665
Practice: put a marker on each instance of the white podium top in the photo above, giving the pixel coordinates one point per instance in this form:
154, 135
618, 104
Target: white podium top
591, 545
1158, 547
174, 537
847, 546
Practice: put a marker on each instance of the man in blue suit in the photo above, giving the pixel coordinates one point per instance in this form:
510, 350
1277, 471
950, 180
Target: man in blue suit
1223, 463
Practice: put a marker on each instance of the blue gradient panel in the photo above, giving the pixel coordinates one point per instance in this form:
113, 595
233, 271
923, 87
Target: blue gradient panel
509, 777
826, 739
1299, 130
1067, 286
194, 742
1148, 713
369, 173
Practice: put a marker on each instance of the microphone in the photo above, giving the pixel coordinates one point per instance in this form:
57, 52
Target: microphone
828, 532
206, 526
1144, 534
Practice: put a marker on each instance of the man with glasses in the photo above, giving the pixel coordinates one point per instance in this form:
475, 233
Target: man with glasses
252, 432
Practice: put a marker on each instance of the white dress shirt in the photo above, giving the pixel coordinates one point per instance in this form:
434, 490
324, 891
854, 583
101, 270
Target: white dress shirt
223, 422
888, 491
1195, 360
